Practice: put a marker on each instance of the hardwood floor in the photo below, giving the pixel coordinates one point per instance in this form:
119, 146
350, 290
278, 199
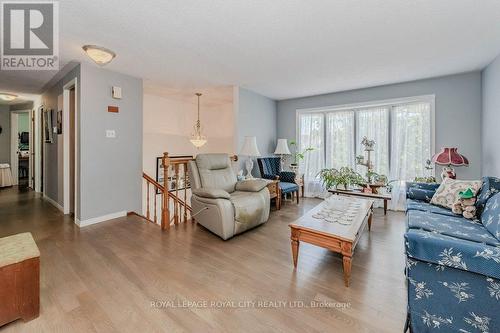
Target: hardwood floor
104, 278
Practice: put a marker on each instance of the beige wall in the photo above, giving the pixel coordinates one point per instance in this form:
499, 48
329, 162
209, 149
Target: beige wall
169, 117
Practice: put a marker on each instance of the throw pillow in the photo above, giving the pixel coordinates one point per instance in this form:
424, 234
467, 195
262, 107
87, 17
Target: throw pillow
491, 186
490, 217
447, 193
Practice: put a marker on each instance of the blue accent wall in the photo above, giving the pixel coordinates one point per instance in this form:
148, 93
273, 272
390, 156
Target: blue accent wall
491, 119
458, 111
256, 116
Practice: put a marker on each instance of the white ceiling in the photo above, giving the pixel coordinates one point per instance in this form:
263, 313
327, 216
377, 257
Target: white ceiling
279, 48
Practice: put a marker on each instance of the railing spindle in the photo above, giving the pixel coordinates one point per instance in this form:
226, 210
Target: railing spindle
154, 207
176, 205
147, 201
166, 196
186, 182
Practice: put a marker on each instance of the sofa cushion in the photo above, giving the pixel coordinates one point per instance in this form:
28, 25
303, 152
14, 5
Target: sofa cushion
420, 194
427, 207
454, 226
491, 186
423, 186
490, 217
448, 191
447, 251
288, 187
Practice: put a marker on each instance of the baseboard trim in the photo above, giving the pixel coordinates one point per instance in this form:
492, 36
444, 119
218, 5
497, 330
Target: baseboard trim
100, 219
52, 202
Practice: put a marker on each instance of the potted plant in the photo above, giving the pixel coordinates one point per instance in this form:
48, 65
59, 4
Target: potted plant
341, 179
297, 155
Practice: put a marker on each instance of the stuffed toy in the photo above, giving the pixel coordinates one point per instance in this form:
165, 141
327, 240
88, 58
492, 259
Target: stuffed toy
465, 204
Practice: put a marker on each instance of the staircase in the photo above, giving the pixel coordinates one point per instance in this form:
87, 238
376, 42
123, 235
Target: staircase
167, 203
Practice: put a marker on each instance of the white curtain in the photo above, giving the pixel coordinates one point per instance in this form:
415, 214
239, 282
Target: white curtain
374, 124
340, 139
311, 134
410, 147
336, 138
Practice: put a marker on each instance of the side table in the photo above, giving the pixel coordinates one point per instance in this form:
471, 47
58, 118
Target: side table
299, 180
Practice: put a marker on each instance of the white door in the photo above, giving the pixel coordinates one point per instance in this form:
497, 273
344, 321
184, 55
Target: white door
14, 147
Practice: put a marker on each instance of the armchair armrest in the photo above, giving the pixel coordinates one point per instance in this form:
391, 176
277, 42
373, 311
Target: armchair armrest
211, 193
287, 176
272, 177
251, 185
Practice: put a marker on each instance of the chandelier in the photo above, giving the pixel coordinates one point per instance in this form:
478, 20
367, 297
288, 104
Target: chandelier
197, 138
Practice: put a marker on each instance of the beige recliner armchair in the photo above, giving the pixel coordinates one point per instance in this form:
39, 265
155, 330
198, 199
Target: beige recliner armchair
222, 204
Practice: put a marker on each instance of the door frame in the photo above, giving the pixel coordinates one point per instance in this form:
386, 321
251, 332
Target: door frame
73, 84
14, 148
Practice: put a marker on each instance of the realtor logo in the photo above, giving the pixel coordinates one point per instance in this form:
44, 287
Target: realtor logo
29, 35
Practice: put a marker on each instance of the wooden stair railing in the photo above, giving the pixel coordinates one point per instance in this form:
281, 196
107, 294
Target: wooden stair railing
150, 182
161, 204
173, 199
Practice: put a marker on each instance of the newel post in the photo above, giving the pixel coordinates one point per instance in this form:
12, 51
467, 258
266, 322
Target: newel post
165, 221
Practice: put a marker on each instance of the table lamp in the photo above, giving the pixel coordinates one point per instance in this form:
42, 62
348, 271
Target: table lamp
250, 150
449, 157
282, 150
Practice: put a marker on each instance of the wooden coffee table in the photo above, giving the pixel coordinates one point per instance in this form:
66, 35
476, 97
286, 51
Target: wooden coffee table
383, 196
333, 236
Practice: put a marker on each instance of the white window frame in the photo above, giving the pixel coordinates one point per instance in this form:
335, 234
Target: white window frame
390, 103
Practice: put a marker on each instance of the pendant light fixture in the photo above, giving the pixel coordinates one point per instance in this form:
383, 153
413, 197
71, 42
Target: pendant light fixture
197, 138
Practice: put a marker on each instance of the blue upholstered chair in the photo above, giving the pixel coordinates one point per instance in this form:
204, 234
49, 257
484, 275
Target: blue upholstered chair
270, 169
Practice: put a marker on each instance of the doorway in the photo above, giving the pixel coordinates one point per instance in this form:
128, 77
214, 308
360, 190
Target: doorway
70, 165
22, 148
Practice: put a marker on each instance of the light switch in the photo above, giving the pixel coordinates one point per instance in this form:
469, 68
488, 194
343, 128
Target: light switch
110, 134
117, 92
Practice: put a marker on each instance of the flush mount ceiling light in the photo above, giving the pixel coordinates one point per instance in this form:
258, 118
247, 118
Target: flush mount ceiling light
100, 55
197, 138
7, 97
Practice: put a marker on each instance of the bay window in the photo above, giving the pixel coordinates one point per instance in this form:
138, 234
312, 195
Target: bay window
402, 130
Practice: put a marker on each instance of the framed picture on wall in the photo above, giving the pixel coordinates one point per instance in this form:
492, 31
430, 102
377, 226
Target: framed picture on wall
183, 181
47, 125
59, 122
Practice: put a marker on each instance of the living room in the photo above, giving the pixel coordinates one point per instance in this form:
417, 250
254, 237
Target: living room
252, 166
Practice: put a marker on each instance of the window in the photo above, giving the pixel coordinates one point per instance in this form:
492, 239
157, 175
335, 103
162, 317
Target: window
339, 139
402, 130
312, 135
374, 124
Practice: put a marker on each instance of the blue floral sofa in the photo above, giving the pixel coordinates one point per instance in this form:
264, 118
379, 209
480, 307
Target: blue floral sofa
453, 264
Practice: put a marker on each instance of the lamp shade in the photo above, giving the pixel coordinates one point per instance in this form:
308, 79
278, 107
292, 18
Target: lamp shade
450, 156
282, 148
250, 147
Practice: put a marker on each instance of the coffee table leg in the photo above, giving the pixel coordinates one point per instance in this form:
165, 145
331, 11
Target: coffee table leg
347, 269
295, 246
346, 261
370, 217
385, 206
